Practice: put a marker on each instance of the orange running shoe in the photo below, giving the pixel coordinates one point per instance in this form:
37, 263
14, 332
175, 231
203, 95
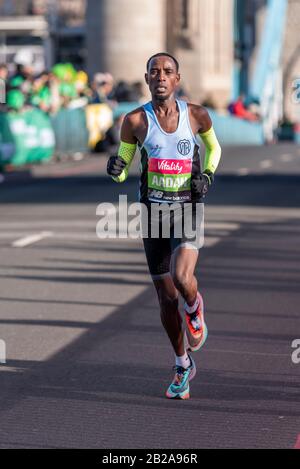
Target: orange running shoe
196, 330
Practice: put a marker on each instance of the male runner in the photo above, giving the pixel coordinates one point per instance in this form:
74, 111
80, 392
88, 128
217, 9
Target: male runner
166, 129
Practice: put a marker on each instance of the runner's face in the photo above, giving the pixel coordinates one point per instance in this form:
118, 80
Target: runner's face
162, 77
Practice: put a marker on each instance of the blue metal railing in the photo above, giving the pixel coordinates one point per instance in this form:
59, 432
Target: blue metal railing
268, 58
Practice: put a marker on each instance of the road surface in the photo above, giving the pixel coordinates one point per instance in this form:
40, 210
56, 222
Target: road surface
87, 360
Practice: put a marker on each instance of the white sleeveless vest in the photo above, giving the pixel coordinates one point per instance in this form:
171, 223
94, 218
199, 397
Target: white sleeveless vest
168, 159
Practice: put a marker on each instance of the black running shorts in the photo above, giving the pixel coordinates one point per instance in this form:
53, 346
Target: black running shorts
164, 235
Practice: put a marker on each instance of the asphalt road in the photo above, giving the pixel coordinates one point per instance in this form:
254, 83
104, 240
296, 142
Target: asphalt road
87, 360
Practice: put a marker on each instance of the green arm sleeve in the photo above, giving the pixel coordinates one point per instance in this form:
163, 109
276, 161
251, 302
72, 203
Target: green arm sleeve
213, 150
126, 152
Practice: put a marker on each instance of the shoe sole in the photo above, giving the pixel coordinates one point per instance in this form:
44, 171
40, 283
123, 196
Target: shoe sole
189, 347
183, 396
194, 370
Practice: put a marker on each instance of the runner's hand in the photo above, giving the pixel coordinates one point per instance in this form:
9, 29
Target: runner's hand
200, 185
115, 166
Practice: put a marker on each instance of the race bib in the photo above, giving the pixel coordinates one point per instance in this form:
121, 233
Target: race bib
169, 180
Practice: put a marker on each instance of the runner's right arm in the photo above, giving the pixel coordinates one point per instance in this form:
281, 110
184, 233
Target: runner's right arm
118, 166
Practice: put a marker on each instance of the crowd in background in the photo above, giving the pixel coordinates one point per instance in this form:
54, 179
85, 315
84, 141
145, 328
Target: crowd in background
65, 87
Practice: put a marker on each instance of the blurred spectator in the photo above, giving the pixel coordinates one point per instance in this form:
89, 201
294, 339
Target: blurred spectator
64, 87
209, 102
124, 93
15, 100
3, 72
138, 92
40, 94
180, 93
239, 109
102, 87
112, 137
254, 107
24, 66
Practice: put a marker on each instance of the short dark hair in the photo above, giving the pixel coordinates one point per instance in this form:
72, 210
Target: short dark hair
162, 54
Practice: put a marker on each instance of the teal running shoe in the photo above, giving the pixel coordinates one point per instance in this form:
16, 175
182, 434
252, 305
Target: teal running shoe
180, 388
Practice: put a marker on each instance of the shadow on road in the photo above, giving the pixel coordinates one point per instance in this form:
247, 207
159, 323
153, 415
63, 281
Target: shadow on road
272, 190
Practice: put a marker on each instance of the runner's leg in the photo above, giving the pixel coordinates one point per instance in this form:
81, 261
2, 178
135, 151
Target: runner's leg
183, 263
170, 316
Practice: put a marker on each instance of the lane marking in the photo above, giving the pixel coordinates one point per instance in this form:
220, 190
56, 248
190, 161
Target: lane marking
210, 241
286, 157
30, 239
48, 223
26, 240
214, 232
93, 224
266, 163
210, 225
243, 171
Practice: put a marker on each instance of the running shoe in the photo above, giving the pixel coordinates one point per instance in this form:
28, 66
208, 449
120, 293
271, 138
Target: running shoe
180, 388
196, 330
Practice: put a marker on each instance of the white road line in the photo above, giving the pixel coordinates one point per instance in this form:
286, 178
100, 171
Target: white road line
93, 224
214, 232
286, 157
210, 225
49, 223
243, 171
34, 238
210, 241
266, 163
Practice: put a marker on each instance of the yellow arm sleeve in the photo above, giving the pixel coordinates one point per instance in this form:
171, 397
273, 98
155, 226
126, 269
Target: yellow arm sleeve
126, 152
213, 150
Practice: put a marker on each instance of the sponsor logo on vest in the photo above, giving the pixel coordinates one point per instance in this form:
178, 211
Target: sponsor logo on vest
156, 194
184, 147
164, 165
155, 150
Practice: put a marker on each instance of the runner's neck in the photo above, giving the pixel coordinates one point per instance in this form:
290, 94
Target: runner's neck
166, 107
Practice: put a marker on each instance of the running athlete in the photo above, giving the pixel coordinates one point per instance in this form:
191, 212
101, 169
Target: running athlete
166, 131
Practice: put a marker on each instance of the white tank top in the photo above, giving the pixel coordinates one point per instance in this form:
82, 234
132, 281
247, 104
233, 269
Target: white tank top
168, 159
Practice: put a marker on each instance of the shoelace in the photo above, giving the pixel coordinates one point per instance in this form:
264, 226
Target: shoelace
179, 373
195, 321
180, 370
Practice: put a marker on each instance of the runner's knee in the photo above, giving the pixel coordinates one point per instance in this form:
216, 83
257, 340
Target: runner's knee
182, 280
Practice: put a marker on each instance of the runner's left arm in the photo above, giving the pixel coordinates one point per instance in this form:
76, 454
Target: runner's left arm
212, 147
